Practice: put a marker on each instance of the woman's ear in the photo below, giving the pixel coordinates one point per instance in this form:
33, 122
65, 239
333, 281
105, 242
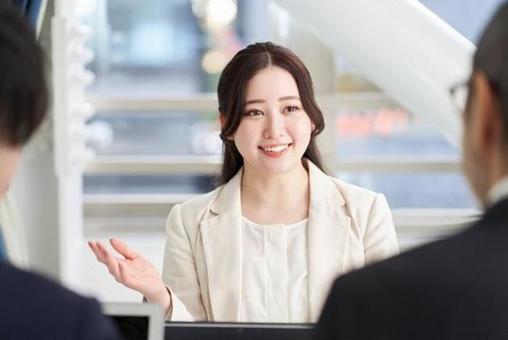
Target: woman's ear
222, 122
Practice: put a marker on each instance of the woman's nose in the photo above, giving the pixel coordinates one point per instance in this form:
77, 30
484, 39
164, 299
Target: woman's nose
274, 126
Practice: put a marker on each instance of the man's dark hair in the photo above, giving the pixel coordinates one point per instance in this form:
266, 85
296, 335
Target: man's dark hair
23, 89
491, 58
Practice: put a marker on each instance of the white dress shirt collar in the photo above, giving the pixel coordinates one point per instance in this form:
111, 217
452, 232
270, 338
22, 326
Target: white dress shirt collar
498, 191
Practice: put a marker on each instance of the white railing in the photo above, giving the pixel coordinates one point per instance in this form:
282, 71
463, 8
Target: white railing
210, 165
206, 102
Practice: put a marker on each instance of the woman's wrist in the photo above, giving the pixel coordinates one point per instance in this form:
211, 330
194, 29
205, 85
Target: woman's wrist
169, 308
162, 298
166, 302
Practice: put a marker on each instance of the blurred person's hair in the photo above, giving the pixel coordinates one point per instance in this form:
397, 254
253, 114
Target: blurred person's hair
232, 90
23, 88
491, 58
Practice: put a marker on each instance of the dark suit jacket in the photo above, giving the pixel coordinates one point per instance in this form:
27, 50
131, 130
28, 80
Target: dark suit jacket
32, 307
451, 289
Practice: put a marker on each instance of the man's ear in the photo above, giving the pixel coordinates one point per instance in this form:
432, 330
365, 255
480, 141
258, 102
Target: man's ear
487, 113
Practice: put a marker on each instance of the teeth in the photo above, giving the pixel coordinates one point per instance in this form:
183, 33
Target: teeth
278, 148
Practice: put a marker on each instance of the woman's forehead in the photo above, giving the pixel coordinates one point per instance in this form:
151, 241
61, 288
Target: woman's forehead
271, 83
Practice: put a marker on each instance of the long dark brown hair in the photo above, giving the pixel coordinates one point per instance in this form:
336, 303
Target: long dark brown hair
232, 89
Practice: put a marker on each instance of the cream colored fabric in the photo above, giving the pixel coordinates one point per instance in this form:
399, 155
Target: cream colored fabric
275, 274
13, 232
348, 227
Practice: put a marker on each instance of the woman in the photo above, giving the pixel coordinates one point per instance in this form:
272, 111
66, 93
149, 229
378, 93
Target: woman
266, 245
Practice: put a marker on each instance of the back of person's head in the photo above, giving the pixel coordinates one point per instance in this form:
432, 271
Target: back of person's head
491, 58
23, 89
232, 90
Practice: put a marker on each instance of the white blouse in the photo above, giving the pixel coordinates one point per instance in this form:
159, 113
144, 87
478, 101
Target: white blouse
274, 273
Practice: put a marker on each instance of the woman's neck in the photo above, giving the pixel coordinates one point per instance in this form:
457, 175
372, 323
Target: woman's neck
275, 198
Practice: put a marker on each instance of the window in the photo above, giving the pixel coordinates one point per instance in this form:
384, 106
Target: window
466, 16
155, 133
156, 129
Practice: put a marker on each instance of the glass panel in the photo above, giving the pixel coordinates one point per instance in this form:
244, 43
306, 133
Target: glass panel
383, 132
159, 47
387, 132
466, 16
427, 190
160, 184
417, 190
155, 133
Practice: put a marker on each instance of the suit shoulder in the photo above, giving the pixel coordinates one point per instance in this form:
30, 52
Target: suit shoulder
416, 266
29, 298
23, 285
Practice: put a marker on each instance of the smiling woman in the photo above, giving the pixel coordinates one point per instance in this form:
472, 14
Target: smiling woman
243, 91
266, 244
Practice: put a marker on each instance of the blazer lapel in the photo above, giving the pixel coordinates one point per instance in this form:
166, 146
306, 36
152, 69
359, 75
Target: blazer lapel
328, 230
222, 237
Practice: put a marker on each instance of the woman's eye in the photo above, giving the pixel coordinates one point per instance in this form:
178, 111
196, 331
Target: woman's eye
291, 108
253, 113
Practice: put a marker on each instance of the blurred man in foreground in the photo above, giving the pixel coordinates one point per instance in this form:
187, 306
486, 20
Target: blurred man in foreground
455, 288
32, 307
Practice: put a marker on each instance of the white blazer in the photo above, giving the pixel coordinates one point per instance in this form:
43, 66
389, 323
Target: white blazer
348, 227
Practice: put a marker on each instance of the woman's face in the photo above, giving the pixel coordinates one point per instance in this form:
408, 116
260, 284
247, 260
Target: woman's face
275, 130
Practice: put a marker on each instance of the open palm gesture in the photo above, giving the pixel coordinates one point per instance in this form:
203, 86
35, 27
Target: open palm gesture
133, 271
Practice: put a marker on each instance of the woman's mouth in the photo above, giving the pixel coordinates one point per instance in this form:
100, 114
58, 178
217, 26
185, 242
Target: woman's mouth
275, 150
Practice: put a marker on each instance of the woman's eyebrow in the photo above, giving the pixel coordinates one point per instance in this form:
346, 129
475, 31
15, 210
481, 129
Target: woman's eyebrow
289, 97
260, 101
254, 101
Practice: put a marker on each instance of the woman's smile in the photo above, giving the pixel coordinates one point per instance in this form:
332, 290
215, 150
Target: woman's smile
275, 150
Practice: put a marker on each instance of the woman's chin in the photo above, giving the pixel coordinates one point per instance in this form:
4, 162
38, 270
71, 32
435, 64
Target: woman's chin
276, 168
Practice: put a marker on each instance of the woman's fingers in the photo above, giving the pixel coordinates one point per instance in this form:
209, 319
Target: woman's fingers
142, 279
132, 271
107, 258
100, 251
130, 277
98, 254
123, 274
123, 249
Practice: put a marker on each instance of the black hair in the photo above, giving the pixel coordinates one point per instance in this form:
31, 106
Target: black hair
491, 58
23, 89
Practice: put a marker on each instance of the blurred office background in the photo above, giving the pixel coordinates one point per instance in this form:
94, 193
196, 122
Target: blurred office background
155, 128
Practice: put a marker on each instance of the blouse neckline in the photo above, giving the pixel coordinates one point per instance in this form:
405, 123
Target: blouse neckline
275, 225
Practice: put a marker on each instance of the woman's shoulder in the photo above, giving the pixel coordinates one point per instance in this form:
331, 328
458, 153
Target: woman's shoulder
197, 207
358, 201
348, 192
352, 192
189, 213
200, 200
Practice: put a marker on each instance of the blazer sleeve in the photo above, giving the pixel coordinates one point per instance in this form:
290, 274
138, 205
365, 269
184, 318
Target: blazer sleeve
179, 271
380, 239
